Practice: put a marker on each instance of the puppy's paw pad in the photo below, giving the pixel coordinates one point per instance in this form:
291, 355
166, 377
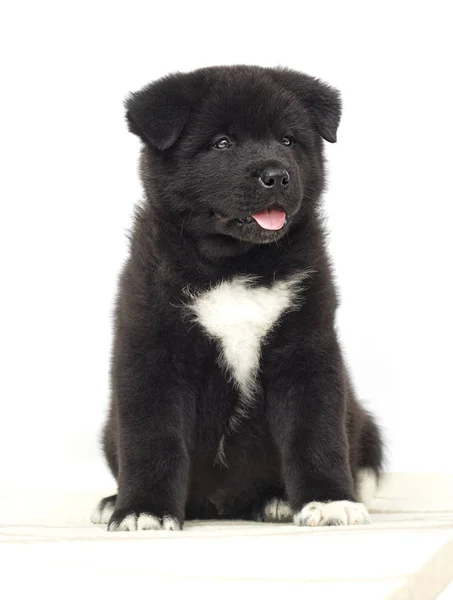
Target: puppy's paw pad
277, 511
144, 522
341, 512
103, 511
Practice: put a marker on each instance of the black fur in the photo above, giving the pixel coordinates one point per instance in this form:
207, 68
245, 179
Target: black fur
306, 436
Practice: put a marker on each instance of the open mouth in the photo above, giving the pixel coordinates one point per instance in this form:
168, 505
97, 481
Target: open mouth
271, 219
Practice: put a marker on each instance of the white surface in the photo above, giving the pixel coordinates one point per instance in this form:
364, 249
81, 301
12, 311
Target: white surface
46, 543
447, 594
202, 554
69, 179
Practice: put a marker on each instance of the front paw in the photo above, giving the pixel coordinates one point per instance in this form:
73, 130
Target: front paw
341, 512
127, 520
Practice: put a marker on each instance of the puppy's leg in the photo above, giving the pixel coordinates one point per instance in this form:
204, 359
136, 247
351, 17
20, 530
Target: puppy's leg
153, 480
306, 411
154, 412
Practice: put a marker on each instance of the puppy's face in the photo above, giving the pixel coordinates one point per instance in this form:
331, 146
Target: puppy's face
235, 152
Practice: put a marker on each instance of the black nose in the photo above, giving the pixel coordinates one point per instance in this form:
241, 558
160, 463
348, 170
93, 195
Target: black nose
274, 177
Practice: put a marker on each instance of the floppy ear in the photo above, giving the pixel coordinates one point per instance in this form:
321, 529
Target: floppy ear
158, 112
322, 101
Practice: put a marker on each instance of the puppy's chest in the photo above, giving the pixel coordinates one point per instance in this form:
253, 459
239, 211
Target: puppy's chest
239, 314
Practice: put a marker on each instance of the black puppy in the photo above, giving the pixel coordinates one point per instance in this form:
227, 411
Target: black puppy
230, 397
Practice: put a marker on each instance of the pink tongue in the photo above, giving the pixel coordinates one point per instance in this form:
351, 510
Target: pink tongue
270, 219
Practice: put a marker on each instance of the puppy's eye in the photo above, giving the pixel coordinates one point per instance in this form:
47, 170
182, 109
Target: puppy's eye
287, 140
222, 143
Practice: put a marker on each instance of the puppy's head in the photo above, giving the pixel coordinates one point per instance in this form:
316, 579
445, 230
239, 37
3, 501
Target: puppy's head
234, 152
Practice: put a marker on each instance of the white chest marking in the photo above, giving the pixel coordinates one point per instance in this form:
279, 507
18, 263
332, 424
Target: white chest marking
239, 314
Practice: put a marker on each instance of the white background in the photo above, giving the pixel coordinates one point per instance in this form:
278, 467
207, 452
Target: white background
69, 181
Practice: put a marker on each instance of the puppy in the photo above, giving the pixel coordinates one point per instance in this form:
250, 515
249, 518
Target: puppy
230, 396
